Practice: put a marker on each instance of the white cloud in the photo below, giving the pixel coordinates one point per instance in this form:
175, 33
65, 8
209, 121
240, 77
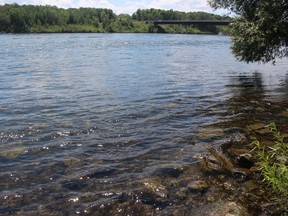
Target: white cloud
58, 3
180, 5
70, 3
163, 4
96, 4
130, 7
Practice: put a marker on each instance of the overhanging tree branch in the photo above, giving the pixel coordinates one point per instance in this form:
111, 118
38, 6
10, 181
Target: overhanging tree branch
260, 31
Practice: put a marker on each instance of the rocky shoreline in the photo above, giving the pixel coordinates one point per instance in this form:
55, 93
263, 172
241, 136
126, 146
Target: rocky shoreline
225, 181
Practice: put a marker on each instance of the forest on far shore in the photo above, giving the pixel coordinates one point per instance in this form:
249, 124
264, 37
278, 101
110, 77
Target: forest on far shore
51, 19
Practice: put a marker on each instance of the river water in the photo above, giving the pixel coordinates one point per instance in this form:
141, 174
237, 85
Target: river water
88, 119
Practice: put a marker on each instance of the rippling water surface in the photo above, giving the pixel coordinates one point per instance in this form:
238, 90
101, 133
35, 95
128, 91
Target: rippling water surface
86, 118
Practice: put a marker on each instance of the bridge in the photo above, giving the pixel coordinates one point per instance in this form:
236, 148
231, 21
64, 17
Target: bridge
159, 23
190, 22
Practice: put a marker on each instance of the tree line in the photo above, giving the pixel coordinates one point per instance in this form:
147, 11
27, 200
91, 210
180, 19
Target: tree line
39, 19
158, 14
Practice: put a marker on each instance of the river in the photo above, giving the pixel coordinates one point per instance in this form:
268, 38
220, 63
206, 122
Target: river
88, 119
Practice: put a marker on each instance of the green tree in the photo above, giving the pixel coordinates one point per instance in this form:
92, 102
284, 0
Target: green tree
4, 23
260, 30
18, 20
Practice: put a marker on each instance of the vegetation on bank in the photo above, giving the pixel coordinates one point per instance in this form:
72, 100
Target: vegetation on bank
273, 162
47, 19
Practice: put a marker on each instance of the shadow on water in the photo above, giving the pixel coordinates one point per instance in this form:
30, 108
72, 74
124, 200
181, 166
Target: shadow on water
247, 86
246, 97
248, 94
282, 89
253, 102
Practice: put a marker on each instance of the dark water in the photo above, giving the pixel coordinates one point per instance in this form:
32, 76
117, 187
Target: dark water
86, 118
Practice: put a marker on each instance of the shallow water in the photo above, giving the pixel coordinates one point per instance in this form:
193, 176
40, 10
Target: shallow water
87, 118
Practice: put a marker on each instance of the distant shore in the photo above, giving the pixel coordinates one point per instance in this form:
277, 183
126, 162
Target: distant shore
50, 19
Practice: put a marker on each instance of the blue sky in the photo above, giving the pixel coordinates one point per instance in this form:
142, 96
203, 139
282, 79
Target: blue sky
125, 6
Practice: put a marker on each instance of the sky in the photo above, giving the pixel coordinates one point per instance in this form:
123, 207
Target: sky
125, 6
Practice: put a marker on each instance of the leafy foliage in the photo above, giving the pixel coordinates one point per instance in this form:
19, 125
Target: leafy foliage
28, 18
260, 32
273, 162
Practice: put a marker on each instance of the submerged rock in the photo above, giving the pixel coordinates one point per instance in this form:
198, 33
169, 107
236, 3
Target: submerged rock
220, 208
210, 132
154, 186
256, 126
182, 193
241, 173
75, 185
259, 128
263, 131
100, 173
72, 162
224, 162
8, 209
168, 172
198, 186
284, 113
231, 209
13, 153
206, 165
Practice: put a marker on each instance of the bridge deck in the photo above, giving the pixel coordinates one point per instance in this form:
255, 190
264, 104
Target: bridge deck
192, 22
